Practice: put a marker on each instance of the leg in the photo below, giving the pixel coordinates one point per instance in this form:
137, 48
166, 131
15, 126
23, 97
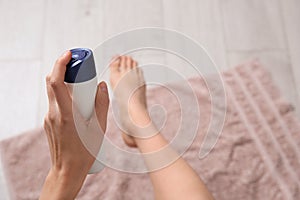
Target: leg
176, 180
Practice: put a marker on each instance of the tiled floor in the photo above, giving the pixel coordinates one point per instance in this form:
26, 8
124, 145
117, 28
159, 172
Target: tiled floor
33, 33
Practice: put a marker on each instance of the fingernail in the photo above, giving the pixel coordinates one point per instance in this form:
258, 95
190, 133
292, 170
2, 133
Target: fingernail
103, 87
65, 53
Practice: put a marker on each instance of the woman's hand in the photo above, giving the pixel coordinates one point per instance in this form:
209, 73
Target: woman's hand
72, 146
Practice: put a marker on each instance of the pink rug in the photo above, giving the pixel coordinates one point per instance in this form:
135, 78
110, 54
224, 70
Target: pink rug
257, 155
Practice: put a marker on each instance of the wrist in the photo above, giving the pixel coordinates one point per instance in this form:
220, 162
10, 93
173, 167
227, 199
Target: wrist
61, 185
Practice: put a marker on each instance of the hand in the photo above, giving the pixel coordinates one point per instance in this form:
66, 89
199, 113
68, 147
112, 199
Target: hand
71, 160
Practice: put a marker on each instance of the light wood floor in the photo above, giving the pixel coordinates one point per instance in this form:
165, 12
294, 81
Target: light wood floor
35, 32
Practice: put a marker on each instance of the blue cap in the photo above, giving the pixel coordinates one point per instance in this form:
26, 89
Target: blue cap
81, 67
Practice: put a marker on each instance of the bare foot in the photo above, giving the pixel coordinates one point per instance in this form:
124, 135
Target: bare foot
128, 85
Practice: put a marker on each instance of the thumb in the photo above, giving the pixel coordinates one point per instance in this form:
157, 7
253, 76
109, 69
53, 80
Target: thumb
101, 105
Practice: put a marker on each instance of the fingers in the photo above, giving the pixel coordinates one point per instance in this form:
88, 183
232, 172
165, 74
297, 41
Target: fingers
58, 86
51, 96
49, 135
57, 95
101, 105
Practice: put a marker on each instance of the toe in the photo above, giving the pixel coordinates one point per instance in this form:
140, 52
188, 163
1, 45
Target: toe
129, 62
134, 64
123, 64
115, 64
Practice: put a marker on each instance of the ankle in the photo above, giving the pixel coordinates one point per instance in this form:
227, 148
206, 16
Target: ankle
138, 109
140, 117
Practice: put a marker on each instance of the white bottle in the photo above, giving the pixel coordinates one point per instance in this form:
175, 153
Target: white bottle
81, 78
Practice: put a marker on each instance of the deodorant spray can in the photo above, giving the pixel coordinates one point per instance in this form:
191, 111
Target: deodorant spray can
81, 78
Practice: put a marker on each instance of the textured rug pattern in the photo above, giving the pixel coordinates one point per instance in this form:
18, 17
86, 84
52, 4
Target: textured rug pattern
256, 157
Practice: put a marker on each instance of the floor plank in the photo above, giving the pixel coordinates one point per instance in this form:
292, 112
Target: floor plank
20, 99
21, 29
253, 25
130, 15
126, 15
200, 20
291, 17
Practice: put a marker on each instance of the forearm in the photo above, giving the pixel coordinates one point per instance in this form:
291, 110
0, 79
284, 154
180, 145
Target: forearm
171, 176
61, 186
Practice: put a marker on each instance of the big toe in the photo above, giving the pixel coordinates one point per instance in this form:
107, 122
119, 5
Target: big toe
115, 64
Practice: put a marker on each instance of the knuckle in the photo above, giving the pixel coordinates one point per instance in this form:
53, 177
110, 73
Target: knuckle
53, 119
50, 118
64, 120
53, 83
